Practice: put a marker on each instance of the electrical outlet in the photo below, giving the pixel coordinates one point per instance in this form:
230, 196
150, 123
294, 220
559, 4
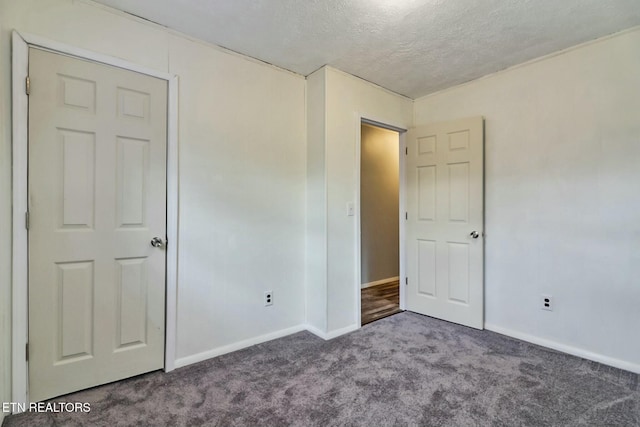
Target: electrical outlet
547, 302
268, 298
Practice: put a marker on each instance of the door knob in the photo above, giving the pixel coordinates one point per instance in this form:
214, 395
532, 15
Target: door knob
474, 234
157, 242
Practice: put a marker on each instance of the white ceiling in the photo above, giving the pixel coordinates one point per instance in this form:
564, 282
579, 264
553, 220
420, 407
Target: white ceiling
412, 47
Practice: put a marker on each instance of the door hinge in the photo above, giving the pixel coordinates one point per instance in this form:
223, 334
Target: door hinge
26, 352
406, 280
406, 215
27, 85
27, 220
406, 151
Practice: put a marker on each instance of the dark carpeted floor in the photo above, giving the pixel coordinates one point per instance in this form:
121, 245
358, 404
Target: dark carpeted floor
405, 370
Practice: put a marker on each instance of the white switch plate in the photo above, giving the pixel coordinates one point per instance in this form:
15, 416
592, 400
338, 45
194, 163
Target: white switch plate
350, 209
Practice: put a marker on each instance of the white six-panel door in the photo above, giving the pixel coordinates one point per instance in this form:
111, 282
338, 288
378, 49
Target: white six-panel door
445, 221
97, 196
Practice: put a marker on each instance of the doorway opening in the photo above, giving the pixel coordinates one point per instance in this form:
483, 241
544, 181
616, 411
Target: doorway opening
380, 223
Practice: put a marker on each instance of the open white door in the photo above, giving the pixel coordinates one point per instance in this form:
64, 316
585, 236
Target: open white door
445, 221
97, 197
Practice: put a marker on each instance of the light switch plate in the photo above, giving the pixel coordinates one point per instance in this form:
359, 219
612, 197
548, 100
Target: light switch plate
350, 209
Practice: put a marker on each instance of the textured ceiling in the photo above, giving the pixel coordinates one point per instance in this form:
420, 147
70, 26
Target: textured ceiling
412, 47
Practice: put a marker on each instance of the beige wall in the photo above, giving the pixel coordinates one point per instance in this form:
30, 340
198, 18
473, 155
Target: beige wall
241, 178
337, 103
379, 202
242, 198
316, 227
347, 99
562, 205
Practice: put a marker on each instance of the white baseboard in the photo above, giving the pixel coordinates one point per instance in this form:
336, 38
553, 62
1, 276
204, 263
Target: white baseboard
218, 351
379, 282
199, 357
315, 331
332, 334
575, 351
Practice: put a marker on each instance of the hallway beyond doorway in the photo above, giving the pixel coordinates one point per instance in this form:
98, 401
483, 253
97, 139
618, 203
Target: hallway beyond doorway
380, 301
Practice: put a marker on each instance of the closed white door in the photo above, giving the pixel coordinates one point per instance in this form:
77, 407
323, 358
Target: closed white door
445, 250
97, 196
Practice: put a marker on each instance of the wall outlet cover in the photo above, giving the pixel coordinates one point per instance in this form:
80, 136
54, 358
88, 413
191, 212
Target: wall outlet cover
268, 298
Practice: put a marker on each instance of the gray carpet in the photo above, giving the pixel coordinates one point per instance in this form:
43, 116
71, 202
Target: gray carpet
405, 370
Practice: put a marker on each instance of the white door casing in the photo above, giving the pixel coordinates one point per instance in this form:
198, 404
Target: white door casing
445, 262
97, 195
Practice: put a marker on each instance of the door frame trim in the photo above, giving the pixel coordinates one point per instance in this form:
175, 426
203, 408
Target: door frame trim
21, 42
402, 132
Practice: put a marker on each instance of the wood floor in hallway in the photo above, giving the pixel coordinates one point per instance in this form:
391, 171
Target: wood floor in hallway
380, 301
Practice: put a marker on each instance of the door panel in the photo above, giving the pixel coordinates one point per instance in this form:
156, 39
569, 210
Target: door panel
74, 309
445, 204
427, 268
427, 193
97, 196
